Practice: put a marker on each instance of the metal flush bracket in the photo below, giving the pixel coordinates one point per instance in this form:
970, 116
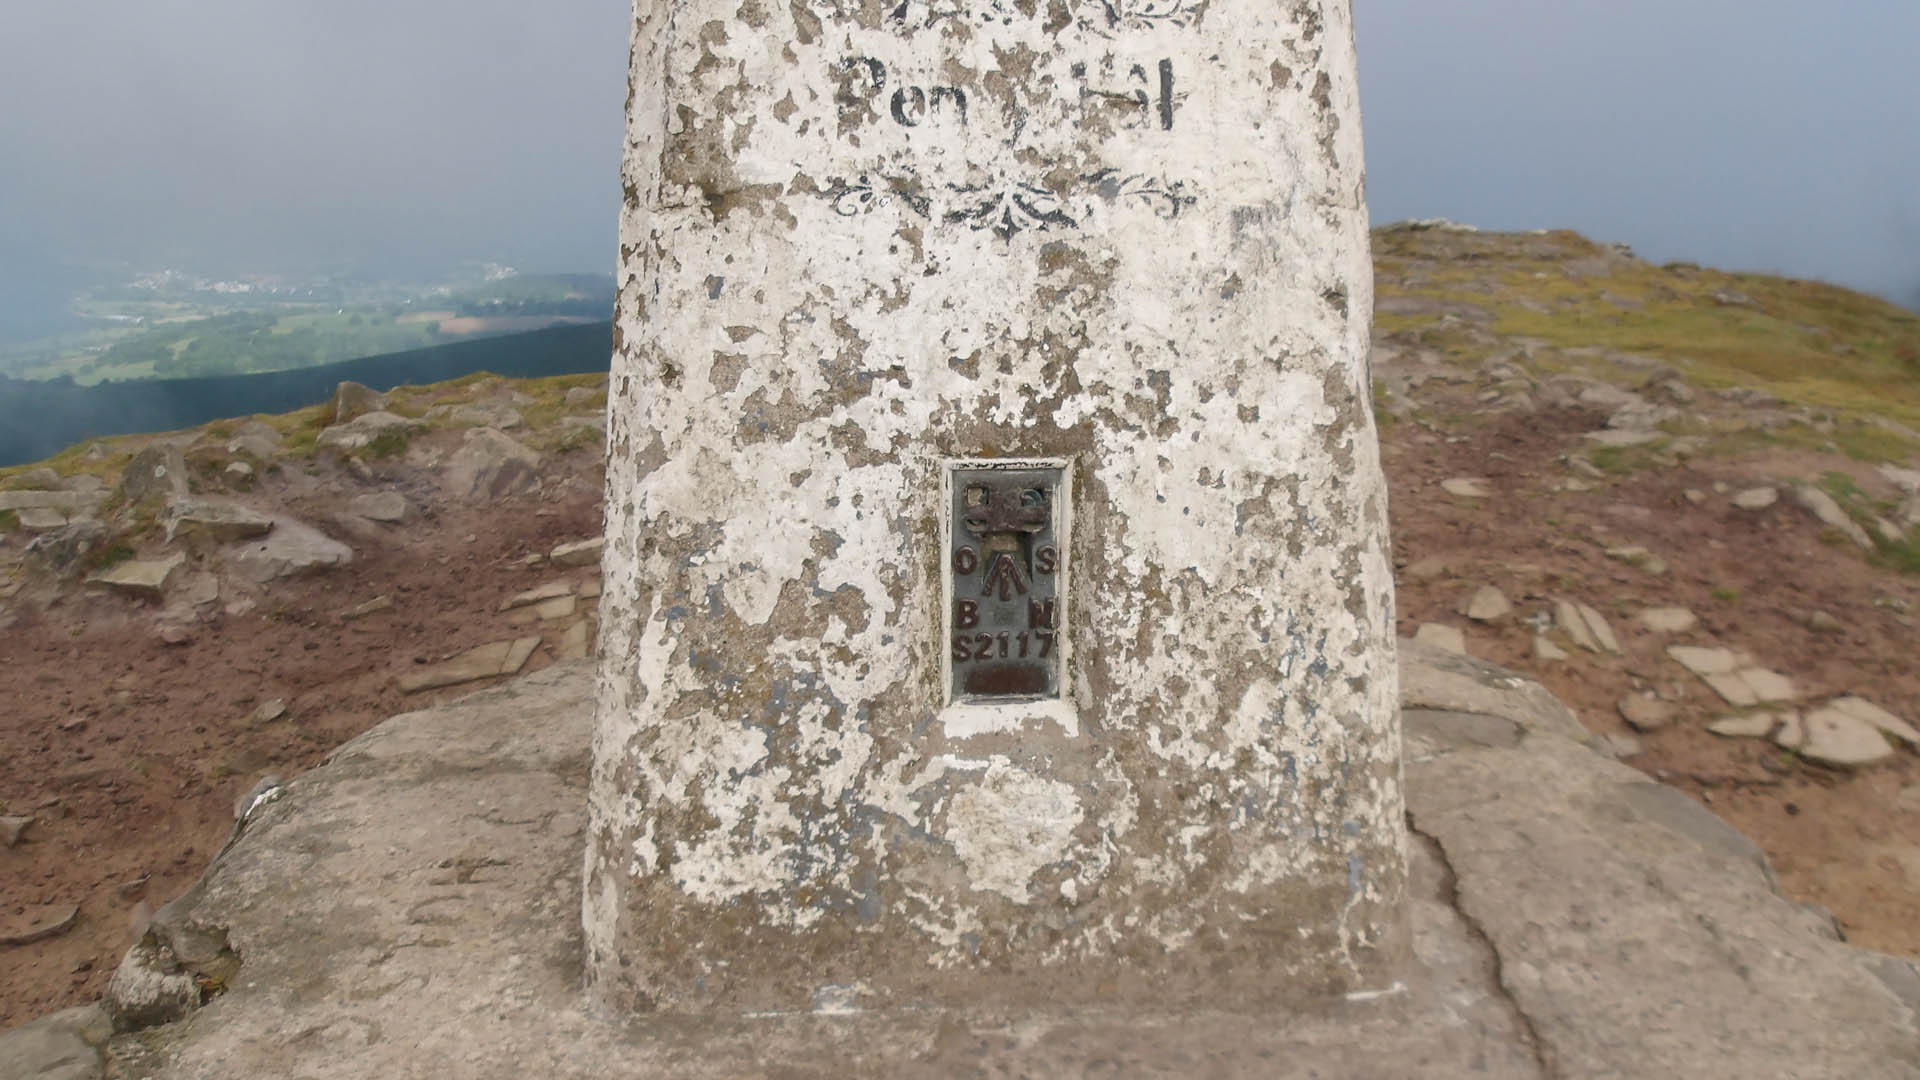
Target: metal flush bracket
1005, 560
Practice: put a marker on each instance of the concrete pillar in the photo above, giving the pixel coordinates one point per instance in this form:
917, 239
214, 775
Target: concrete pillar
998, 600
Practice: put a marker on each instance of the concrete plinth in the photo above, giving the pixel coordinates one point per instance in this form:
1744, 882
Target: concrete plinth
997, 590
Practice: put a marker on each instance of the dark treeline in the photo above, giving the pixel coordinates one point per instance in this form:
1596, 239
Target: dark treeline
39, 419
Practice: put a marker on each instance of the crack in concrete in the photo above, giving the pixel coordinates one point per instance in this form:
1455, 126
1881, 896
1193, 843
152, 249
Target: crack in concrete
1450, 883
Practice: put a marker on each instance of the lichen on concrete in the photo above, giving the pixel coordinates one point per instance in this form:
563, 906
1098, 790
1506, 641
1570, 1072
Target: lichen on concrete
859, 243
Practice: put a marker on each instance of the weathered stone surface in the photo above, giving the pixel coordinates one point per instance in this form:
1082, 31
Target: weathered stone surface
61, 550
490, 464
214, 521
351, 401
1067, 273
357, 433
62, 1046
1821, 506
149, 989
484, 662
579, 553
41, 519
1441, 681
159, 471
1487, 604
1441, 636
1756, 498
1570, 919
371, 607
146, 579
291, 549
388, 506
1545, 650
1668, 620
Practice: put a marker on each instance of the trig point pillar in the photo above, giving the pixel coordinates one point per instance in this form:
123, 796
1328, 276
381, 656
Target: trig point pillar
998, 603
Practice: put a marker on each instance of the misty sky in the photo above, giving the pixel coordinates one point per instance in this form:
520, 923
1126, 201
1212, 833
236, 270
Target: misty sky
387, 135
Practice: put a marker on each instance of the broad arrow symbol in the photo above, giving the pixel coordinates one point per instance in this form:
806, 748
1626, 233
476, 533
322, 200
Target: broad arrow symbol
1005, 577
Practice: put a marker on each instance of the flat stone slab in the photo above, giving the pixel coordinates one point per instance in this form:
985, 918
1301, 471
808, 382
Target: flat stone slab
1751, 726
484, 662
537, 595
1752, 686
1571, 919
1585, 626
1704, 661
1441, 636
1884, 721
215, 521
1833, 737
68, 501
38, 923
143, 578
41, 519
579, 553
1668, 620
1756, 498
291, 549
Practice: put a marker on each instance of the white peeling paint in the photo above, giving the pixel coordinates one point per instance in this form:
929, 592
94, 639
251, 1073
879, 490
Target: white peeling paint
833, 289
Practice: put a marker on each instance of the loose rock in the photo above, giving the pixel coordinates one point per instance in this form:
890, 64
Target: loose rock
351, 401
1645, 714
491, 465
361, 431
1821, 505
1585, 627
1545, 650
13, 827
1486, 605
377, 604
1756, 498
1467, 487
388, 506
156, 472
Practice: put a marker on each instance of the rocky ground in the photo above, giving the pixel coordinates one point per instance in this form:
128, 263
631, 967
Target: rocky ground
1678, 497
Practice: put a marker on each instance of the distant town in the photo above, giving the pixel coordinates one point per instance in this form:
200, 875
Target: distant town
174, 322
